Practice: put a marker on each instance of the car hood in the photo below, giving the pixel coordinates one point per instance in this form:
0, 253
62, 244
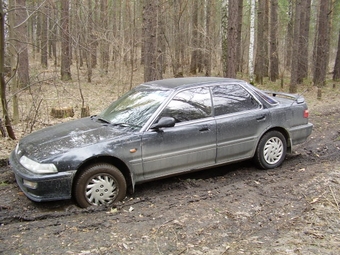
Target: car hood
63, 137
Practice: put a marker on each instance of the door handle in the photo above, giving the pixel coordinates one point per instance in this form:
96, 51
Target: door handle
261, 118
203, 129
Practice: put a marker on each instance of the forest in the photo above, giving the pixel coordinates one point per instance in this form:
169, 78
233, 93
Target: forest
97, 45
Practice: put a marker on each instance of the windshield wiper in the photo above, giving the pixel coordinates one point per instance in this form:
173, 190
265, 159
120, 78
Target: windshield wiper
103, 120
122, 124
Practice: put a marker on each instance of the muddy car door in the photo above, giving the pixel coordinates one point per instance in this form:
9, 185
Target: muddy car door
189, 144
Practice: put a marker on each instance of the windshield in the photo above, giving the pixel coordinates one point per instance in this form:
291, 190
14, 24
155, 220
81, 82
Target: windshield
135, 107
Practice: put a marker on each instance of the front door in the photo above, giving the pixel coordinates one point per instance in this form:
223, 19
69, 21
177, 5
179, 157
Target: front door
190, 144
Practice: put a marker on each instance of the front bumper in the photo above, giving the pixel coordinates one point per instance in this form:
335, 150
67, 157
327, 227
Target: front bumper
49, 187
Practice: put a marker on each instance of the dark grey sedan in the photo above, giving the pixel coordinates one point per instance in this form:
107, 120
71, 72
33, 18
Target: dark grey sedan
158, 129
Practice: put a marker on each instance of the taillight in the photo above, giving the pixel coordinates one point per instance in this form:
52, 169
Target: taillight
306, 114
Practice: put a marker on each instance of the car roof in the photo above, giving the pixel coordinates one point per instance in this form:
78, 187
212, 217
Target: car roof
174, 83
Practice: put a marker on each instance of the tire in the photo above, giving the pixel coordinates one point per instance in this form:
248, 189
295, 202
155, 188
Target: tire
271, 150
100, 184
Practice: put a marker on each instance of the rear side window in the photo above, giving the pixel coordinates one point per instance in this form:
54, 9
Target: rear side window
232, 98
189, 105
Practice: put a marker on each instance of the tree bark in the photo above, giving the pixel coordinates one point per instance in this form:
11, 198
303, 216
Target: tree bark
322, 45
194, 63
295, 56
304, 41
274, 60
336, 72
224, 32
2, 78
231, 67
151, 36
260, 46
104, 45
207, 54
21, 43
44, 41
289, 37
65, 42
239, 36
251, 41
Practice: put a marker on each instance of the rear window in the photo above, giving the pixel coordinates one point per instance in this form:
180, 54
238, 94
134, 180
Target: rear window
232, 98
265, 97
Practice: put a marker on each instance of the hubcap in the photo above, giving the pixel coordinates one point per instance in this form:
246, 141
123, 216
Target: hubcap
101, 190
273, 150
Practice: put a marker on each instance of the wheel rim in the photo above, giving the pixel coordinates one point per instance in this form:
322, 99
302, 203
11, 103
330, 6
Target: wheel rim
273, 150
101, 190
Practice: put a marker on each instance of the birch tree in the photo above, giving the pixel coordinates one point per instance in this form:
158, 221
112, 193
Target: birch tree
251, 41
2, 74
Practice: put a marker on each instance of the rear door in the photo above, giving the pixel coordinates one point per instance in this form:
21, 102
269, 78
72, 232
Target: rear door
190, 144
240, 120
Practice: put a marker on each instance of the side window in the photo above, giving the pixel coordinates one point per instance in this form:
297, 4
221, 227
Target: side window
232, 98
190, 104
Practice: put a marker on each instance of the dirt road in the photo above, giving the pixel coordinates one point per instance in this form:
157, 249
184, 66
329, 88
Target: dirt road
235, 209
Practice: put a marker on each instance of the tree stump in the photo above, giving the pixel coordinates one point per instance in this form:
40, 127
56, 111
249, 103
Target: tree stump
62, 112
319, 94
85, 111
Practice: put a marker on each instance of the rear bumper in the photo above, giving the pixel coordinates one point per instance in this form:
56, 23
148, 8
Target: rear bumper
299, 134
48, 187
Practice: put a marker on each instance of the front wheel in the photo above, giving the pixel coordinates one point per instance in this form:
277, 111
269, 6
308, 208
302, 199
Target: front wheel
100, 184
271, 150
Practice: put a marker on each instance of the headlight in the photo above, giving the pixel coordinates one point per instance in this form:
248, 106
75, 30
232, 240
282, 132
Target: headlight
36, 167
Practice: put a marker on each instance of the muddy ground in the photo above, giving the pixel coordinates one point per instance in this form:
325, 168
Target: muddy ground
235, 209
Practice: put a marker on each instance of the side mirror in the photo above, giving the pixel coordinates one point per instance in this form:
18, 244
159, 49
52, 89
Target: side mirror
164, 122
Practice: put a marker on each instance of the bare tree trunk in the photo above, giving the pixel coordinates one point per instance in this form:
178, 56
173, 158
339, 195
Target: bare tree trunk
207, 53
65, 42
21, 42
336, 73
2, 78
104, 45
44, 41
195, 40
231, 67
13, 63
304, 39
239, 36
224, 32
266, 38
151, 71
289, 37
251, 41
295, 56
274, 61
322, 45
260, 46
52, 41
177, 38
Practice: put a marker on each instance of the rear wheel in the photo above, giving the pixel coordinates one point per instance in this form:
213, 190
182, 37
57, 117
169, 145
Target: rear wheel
271, 150
100, 184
